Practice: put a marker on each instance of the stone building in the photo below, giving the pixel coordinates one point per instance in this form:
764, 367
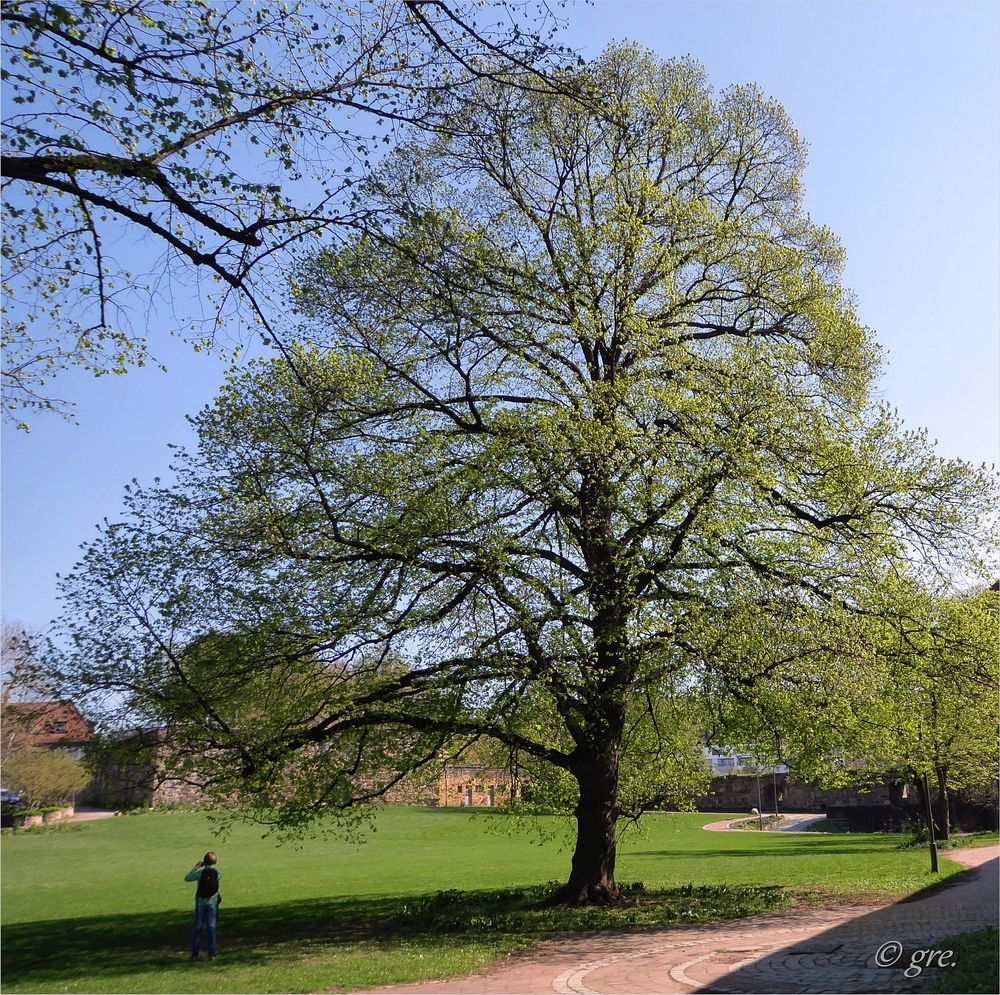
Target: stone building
473, 786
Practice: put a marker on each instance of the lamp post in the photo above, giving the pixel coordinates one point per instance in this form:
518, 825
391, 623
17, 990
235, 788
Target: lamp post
930, 825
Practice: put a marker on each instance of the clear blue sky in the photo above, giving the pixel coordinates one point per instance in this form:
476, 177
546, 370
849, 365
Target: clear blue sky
900, 105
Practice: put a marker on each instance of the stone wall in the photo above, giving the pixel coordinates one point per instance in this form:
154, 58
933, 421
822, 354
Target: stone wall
131, 776
413, 791
131, 789
742, 792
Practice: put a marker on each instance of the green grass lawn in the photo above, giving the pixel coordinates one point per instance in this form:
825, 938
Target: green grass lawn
975, 967
102, 906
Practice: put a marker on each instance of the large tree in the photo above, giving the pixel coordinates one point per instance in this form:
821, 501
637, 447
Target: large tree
579, 416
164, 157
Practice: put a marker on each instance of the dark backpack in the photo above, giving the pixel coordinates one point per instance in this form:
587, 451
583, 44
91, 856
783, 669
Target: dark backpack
208, 883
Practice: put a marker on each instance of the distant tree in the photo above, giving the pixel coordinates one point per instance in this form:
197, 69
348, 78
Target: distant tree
580, 419
25, 679
907, 687
944, 663
22, 673
225, 134
41, 776
44, 777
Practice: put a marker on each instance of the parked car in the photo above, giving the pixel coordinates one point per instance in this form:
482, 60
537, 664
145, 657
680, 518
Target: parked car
9, 801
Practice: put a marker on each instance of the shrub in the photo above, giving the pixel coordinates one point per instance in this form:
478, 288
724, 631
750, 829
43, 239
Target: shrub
44, 777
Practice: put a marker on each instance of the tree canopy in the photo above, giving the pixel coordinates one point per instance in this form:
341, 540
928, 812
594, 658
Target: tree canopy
22, 674
938, 719
225, 134
44, 777
577, 434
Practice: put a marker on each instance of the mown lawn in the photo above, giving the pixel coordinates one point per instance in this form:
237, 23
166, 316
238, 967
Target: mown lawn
975, 966
102, 906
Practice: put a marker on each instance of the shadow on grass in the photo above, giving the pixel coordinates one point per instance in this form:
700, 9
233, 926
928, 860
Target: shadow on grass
118, 944
38, 953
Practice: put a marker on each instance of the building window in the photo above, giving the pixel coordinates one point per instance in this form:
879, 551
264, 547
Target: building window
59, 727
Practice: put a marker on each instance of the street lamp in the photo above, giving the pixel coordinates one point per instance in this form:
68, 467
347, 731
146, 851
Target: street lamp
930, 825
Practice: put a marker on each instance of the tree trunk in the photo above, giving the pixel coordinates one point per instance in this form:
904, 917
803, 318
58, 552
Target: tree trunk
942, 817
595, 759
592, 878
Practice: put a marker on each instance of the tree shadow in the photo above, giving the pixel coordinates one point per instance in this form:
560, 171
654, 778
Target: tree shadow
111, 945
40, 954
884, 950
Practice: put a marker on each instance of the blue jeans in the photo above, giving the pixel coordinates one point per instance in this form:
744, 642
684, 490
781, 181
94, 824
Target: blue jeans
207, 916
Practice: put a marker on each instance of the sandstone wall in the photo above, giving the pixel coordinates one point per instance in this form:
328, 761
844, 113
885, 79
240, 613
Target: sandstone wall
474, 787
739, 793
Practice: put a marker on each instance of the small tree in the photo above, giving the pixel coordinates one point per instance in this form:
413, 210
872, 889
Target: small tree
943, 660
906, 688
44, 777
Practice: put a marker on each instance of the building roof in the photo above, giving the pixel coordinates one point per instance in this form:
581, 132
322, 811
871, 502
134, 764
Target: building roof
49, 723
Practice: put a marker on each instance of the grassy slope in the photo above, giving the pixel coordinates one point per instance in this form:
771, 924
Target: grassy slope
103, 906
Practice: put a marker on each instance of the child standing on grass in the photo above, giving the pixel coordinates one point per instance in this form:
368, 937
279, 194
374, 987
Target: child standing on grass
206, 903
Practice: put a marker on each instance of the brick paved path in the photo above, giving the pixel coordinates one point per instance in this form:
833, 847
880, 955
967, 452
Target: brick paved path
804, 950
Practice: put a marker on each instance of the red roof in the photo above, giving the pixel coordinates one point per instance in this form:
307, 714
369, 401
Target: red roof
49, 723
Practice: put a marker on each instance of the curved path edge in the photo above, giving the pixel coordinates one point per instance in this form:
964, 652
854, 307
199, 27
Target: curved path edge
792, 822
802, 950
